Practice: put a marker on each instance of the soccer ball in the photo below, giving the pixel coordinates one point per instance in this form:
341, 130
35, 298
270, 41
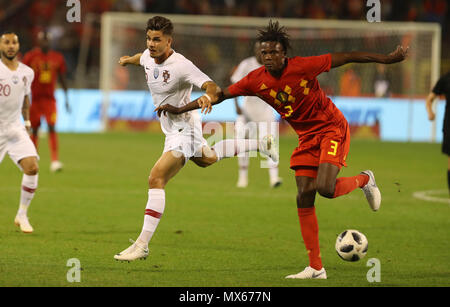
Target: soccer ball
351, 245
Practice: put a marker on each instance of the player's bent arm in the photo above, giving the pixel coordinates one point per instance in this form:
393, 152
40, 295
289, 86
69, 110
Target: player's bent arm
429, 105
342, 58
193, 105
135, 60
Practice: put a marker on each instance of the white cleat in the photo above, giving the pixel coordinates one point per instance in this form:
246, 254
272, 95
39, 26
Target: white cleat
134, 252
56, 166
242, 182
371, 191
268, 147
276, 183
22, 222
310, 273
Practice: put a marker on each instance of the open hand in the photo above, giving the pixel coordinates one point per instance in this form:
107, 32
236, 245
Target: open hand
205, 104
398, 55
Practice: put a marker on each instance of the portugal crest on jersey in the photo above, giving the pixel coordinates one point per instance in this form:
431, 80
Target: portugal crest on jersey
166, 76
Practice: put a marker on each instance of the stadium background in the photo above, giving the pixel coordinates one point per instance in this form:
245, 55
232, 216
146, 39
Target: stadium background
396, 115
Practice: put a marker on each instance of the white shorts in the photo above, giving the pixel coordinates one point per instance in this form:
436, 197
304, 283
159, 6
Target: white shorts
17, 143
188, 144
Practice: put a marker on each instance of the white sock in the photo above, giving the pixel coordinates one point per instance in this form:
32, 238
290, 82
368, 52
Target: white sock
232, 147
243, 166
273, 170
29, 186
153, 212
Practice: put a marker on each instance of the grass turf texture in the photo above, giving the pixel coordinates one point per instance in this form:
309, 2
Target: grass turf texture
211, 233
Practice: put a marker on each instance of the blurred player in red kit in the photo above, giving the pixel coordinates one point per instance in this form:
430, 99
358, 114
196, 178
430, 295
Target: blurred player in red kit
291, 87
49, 67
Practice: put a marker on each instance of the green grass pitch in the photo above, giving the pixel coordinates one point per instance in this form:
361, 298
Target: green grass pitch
211, 233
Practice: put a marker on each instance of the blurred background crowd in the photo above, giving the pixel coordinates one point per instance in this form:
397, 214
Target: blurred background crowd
28, 17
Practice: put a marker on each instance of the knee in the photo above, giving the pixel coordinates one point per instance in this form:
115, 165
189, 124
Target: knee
31, 169
325, 190
306, 197
156, 182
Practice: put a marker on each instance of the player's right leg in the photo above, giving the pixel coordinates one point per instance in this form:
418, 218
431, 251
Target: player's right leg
22, 151
168, 165
29, 185
306, 186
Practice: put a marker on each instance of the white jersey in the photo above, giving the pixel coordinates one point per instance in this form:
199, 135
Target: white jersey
14, 85
14, 139
254, 108
171, 83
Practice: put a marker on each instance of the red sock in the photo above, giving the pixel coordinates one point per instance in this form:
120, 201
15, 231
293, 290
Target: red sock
310, 233
345, 185
53, 142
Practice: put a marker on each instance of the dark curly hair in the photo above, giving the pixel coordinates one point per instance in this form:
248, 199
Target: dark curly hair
275, 33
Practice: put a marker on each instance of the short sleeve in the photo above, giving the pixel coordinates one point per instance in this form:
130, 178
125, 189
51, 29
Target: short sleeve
315, 65
143, 55
241, 88
30, 78
194, 75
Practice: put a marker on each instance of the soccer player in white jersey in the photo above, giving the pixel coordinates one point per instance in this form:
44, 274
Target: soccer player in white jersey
170, 78
15, 88
255, 119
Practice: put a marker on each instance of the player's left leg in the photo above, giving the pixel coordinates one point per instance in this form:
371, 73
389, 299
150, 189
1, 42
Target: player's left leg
51, 116
167, 166
29, 185
334, 148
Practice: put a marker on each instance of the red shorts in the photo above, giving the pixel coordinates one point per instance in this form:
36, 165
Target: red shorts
330, 146
43, 108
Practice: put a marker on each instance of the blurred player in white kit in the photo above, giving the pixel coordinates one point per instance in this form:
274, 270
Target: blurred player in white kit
255, 119
15, 88
170, 78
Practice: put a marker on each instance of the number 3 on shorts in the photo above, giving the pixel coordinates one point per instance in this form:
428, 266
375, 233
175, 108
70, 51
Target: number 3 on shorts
333, 148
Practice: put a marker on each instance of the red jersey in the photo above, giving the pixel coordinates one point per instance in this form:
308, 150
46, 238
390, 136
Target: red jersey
296, 95
46, 69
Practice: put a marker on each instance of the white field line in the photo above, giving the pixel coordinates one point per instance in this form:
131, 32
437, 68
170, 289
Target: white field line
428, 196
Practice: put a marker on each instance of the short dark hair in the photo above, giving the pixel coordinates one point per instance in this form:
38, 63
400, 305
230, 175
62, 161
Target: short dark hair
159, 23
7, 32
275, 33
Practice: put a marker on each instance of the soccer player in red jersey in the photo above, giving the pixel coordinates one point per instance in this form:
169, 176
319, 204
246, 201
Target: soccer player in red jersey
290, 86
49, 66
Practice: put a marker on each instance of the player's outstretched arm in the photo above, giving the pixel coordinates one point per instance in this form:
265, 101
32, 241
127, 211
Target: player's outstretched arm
196, 104
342, 58
135, 60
